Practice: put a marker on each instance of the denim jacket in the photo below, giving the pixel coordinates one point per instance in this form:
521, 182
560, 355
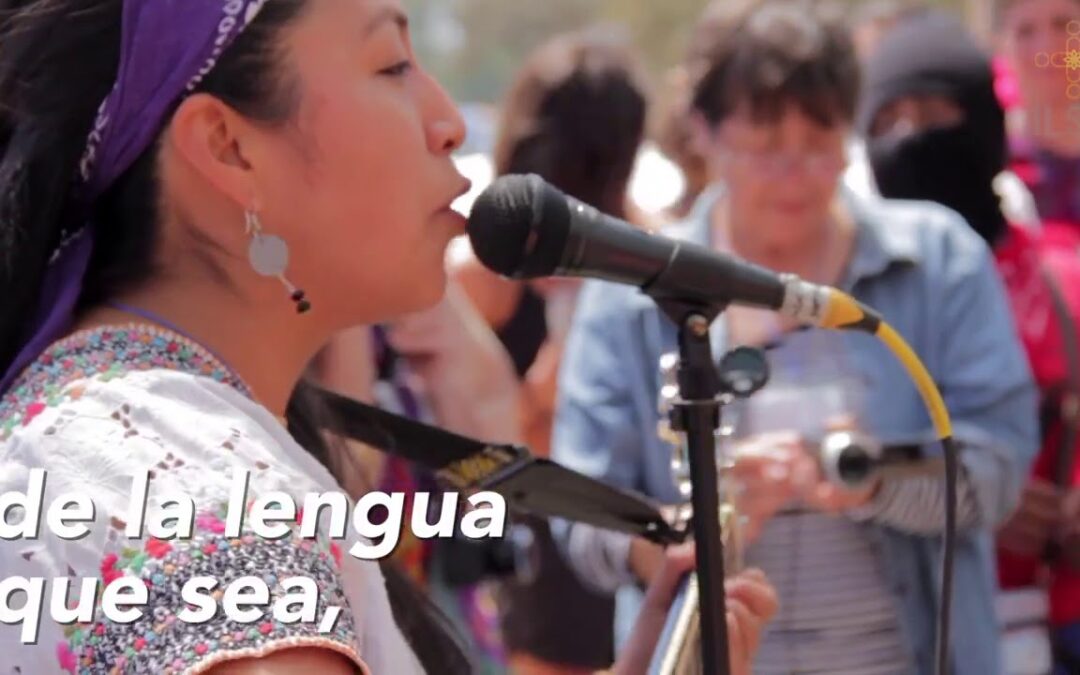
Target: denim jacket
934, 281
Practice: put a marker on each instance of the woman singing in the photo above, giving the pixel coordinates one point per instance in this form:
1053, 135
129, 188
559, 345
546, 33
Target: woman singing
194, 198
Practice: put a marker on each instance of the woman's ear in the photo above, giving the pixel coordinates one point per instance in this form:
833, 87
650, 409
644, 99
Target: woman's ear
215, 142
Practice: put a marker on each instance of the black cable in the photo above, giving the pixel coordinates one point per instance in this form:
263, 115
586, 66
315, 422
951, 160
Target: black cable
945, 609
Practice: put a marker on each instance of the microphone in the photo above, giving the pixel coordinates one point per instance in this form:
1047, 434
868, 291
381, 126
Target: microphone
523, 228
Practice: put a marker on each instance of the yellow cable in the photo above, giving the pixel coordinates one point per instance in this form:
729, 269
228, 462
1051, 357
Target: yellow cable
844, 312
929, 391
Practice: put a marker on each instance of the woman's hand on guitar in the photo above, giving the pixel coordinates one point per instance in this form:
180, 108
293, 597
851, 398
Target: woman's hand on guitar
751, 604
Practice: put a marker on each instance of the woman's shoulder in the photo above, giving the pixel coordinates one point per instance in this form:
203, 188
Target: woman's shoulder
166, 459
185, 428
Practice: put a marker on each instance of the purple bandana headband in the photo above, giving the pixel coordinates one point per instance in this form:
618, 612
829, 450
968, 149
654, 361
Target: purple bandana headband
168, 47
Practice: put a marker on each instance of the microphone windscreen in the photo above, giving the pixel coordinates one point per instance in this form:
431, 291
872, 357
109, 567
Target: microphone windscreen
518, 226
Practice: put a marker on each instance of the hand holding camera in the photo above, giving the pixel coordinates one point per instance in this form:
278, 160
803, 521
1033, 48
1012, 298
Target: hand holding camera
778, 470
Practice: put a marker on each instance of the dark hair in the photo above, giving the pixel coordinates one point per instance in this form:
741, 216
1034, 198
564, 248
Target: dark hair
771, 54
58, 61
576, 115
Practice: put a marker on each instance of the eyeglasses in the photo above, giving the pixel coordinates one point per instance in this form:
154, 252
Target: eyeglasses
775, 164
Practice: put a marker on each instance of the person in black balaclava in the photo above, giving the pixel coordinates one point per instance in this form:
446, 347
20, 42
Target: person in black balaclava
936, 131
934, 128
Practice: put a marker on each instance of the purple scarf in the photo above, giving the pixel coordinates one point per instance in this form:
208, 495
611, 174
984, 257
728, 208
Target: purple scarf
168, 47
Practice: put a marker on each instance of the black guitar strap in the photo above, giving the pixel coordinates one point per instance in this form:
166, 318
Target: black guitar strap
529, 484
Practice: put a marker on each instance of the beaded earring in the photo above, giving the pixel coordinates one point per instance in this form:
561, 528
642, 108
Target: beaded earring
269, 256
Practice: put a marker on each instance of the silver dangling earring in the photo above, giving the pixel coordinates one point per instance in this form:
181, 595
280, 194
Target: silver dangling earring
269, 256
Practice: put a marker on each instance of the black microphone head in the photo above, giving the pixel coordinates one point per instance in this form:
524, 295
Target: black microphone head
519, 225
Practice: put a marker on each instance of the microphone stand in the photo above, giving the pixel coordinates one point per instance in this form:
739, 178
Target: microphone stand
696, 413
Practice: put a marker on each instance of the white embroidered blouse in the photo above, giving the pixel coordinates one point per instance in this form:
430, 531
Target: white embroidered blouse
103, 406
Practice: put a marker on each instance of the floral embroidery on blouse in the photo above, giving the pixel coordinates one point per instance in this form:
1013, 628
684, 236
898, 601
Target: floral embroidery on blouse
159, 642
108, 648
103, 354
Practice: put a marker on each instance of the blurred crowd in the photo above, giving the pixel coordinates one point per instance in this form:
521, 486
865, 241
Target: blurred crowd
932, 174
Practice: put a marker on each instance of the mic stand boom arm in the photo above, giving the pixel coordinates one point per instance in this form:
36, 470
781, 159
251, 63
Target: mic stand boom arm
696, 413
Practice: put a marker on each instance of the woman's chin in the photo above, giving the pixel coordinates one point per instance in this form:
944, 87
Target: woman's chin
426, 291
412, 292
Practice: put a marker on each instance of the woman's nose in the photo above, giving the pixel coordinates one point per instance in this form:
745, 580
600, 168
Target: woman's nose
446, 129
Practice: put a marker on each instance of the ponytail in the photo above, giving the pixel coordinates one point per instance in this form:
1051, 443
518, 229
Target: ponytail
53, 73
